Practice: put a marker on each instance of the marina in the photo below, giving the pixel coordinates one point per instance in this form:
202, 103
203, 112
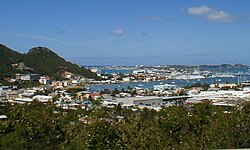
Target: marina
177, 82
147, 77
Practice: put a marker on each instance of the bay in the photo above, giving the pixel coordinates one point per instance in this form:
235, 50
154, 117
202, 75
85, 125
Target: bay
179, 83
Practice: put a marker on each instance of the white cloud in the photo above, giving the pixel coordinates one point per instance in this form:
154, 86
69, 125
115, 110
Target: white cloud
202, 10
220, 16
118, 32
211, 14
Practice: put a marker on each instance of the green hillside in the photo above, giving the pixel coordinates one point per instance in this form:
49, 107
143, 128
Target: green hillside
8, 57
40, 60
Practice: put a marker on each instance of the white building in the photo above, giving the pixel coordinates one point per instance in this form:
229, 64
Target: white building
21, 100
126, 79
163, 87
28, 77
139, 71
149, 100
44, 80
42, 98
246, 89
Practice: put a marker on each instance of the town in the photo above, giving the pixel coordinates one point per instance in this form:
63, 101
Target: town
67, 114
73, 91
124, 75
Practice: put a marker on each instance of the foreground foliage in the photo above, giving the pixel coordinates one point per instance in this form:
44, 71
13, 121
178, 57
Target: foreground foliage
44, 126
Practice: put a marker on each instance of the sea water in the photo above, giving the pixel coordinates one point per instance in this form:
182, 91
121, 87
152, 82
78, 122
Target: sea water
243, 72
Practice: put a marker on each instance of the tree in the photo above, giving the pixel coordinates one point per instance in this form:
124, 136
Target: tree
241, 126
33, 126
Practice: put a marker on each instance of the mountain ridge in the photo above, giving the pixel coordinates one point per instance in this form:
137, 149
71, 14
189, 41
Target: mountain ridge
42, 60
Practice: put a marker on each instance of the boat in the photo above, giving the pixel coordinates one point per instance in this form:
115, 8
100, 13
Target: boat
246, 83
140, 84
223, 75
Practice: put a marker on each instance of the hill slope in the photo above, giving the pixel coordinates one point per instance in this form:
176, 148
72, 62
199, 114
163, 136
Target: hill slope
41, 60
8, 57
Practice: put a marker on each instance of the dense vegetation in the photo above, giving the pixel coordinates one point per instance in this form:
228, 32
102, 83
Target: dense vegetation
40, 60
44, 126
8, 57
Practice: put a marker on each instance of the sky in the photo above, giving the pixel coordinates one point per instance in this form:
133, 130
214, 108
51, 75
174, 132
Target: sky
130, 32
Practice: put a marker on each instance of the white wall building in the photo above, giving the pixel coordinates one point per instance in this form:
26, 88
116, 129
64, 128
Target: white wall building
163, 87
42, 98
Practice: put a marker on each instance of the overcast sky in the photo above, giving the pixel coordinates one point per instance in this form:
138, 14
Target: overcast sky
130, 32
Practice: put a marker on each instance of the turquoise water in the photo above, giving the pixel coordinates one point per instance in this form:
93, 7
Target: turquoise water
179, 83
245, 75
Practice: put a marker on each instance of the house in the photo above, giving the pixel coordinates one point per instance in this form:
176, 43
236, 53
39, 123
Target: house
163, 87
81, 95
13, 94
93, 95
44, 80
4, 88
28, 77
42, 98
126, 79
59, 84
27, 93
123, 94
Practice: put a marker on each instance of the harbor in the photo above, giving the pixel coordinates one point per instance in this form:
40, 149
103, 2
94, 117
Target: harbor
148, 77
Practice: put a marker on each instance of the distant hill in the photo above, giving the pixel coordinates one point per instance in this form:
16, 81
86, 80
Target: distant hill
227, 66
7, 58
39, 60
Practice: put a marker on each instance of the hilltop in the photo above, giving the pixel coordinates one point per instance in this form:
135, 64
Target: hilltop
39, 60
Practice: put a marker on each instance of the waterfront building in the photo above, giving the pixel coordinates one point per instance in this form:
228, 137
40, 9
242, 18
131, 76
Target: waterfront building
148, 100
139, 71
163, 87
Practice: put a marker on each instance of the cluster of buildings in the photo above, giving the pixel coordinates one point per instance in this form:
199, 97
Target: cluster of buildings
15, 95
148, 74
71, 92
46, 91
218, 97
